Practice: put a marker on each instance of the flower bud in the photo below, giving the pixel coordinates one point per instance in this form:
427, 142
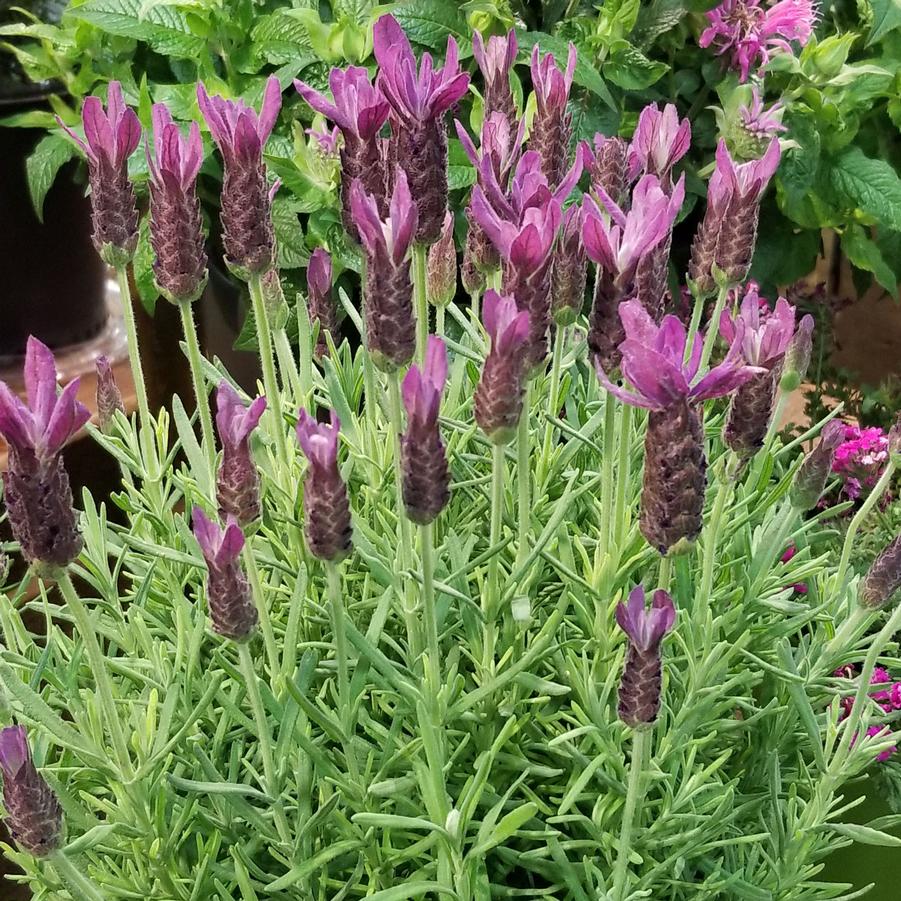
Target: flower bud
237, 480
810, 479
797, 357
569, 270
322, 303
442, 266
882, 582
33, 813
109, 398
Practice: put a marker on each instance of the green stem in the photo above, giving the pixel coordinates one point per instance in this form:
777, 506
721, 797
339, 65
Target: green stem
607, 474
761, 456
553, 404
620, 525
490, 597
475, 302
713, 327
97, 661
264, 738
80, 887
287, 366
524, 476
696, 312
429, 613
336, 604
855, 524
195, 361
267, 359
439, 321
420, 298
665, 575
134, 351
641, 742
256, 587
404, 542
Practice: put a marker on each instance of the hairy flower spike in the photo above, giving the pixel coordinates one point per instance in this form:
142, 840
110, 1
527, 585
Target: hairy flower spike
426, 475
607, 166
569, 272
109, 398
495, 61
797, 357
360, 111
639, 690
810, 479
241, 134
442, 266
552, 126
499, 394
882, 582
110, 138
237, 481
230, 604
419, 98
326, 506
38, 496
322, 302
660, 141
175, 223
33, 813
388, 291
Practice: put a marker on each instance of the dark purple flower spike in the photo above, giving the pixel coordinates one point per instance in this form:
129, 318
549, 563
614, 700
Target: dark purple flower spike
241, 133
360, 110
426, 475
607, 165
237, 480
419, 98
232, 612
881, 585
109, 397
33, 813
110, 138
38, 496
326, 506
569, 273
811, 477
322, 301
175, 223
441, 271
496, 59
552, 126
640, 688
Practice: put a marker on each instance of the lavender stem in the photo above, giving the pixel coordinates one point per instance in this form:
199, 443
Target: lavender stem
421, 298
201, 396
641, 742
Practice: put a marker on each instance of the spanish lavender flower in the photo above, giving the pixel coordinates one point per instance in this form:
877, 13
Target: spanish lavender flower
499, 394
237, 481
495, 62
176, 234
618, 245
110, 139
418, 102
552, 126
33, 813
750, 32
322, 303
675, 469
860, 459
442, 266
360, 111
38, 496
241, 134
810, 479
766, 337
388, 291
728, 233
760, 124
883, 579
607, 166
426, 475
326, 507
639, 690
109, 397
660, 141
232, 612
569, 272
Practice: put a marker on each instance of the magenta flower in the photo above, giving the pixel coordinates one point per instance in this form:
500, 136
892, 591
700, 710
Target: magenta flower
760, 123
495, 62
110, 138
358, 109
766, 335
552, 126
426, 476
552, 86
175, 221
640, 687
390, 238
888, 696
860, 459
499, 151
327, 509
237, 481
750, 32
241, 134
660, 141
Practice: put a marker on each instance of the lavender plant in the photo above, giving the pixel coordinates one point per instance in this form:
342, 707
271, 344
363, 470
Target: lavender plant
305, 697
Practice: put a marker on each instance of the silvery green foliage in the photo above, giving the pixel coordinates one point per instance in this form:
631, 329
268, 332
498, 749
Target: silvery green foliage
508, 771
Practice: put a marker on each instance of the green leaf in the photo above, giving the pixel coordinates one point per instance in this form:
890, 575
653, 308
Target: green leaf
430, 22
866, 835
41, 168
506, 827
142, 268
585, 74
91, 838
163, 28
630, 69
772, 266
864, 253
295, 874
280, 39
410, 890
870, 185
886, 18
292, 252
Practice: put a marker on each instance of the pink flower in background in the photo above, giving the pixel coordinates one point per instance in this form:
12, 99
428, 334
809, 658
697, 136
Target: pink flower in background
887, 695
750, 32
790, 551
759, 122
860, 459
